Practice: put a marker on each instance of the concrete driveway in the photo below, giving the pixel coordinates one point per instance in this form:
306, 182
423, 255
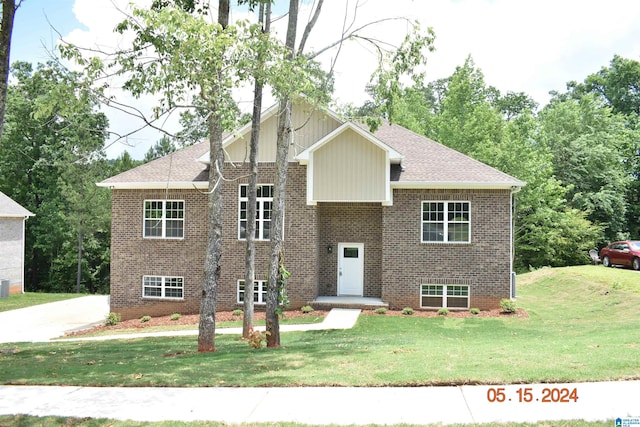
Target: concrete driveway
46, 321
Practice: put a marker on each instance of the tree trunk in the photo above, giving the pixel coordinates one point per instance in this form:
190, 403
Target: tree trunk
277, 212
250, 256
207, 325
8, 13
79, 272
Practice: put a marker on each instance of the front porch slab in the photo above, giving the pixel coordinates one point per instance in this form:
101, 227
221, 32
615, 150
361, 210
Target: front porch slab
363, 303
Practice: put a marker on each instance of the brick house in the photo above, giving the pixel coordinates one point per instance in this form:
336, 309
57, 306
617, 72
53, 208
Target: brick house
390, 216
12, 243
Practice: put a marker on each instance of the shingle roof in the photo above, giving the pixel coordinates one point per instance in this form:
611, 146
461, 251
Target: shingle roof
180, 168
425, 163
10, 209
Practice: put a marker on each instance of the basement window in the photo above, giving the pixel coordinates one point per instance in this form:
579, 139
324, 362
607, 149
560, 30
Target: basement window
444, 296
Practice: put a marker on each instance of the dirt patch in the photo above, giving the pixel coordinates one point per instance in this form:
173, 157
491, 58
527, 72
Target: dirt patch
226, 316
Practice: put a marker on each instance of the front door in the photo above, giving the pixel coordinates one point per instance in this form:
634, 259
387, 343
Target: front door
350, 268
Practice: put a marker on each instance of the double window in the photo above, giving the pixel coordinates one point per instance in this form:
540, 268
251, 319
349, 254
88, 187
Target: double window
162, 287
264, 203
164, 219
259, 291
447, 296
446, 222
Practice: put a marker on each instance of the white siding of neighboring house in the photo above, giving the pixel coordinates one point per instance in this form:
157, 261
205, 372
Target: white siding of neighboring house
349, 169
12, 252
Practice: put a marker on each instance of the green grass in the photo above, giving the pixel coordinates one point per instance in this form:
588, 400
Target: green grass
24, 421
29, 299
584, 325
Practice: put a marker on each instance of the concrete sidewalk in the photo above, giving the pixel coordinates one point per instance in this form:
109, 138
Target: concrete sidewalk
325, 405
46, 321
338, 318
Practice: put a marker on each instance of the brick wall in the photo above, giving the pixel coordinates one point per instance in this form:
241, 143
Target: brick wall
132, 256
484, 264
352, 223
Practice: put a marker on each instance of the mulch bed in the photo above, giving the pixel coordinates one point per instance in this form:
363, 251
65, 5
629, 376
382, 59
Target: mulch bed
224, 316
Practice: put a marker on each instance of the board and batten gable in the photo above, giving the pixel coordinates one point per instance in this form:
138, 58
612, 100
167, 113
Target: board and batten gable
309, 126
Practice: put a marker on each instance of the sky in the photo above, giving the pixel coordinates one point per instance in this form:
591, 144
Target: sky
531, 46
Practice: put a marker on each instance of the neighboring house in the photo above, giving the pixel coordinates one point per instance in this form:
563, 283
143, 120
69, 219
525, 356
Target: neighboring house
12, 222
392, 216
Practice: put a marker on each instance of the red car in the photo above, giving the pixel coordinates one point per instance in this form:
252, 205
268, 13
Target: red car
625, 253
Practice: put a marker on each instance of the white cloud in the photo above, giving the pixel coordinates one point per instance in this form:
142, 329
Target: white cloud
532, 46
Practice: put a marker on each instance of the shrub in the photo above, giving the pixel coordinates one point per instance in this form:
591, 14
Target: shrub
474, 311
145, 319
443, 312
113, 319
408, 311
237, 312
307, 309
175, 316
381, 310
256, 338
508, 305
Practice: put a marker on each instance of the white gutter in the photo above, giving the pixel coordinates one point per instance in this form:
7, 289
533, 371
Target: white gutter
178, 185
456, 185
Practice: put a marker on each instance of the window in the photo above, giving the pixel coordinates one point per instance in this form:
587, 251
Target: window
259, 291
446, 222
162, 287
164, 219
448, 296
264, 202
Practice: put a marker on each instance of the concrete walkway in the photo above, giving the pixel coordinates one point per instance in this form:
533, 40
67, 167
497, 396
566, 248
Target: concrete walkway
325, 405
338, 318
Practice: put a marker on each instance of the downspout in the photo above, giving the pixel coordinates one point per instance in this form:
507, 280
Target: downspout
512, 209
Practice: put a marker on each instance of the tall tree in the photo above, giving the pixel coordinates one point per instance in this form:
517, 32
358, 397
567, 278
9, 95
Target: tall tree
9, 8
52, 136
264, 18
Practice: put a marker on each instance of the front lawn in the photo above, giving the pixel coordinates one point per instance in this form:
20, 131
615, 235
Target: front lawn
29, 299
584, 325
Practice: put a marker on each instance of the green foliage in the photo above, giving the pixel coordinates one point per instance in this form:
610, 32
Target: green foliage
407, 311
237, 312
381, 310
443, 312
113, 319
161, 148
307, 309
145, 319
508, 305
256, 339
51, 160
474, 311
175, 316
283, 278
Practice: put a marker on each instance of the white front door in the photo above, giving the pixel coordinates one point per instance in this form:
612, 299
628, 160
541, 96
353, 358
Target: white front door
350, 268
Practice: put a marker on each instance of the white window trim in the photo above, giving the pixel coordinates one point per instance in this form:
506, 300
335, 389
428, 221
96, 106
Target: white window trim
162, 287
446, 222
260, 201
163, 219
444, 296
262, 288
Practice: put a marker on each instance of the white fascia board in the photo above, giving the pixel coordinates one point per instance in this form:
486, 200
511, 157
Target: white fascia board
454, 184
200, 185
